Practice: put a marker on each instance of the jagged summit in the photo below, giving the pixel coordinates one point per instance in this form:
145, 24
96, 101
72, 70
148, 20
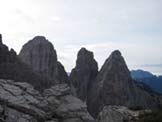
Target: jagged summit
84, 73
83, 52
116, 53
83, 49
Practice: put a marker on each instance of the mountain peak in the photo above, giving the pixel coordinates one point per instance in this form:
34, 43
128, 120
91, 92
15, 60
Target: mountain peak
41, 56
140, 74
116, 65
84, 73
114, 86
83, 49
84, 53
116, 54
40, 38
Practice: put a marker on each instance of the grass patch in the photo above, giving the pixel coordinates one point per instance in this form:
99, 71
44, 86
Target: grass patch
154, 116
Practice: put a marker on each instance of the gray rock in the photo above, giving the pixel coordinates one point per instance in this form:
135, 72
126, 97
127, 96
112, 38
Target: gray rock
83, 75
20, 102
114, 86
118, 114
16, 116
11, 67
57, 90
41, 56
65, 105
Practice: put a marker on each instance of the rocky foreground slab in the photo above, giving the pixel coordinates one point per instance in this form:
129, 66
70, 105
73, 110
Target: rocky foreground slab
19, 102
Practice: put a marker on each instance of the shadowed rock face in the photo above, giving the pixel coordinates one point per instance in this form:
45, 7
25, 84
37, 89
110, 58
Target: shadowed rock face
83, 75
41, 56
114, 86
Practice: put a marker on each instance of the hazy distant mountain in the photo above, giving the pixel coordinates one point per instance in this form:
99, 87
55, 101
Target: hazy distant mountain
155, 82
138, 74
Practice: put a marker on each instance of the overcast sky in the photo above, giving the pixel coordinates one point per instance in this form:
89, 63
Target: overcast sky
132, 26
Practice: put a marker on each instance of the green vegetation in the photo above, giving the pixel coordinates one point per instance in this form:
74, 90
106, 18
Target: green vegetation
154, 116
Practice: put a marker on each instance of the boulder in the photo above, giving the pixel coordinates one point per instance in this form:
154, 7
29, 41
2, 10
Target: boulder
66, 106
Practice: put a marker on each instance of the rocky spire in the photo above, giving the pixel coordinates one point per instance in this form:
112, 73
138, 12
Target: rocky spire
114, 86
84, 73
41, 56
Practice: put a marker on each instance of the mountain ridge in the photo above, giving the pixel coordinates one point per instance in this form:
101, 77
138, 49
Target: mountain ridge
155, 82
37, 65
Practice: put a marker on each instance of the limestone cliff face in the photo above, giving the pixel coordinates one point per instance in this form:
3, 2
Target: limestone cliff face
114, 86
83, 75
41, 56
